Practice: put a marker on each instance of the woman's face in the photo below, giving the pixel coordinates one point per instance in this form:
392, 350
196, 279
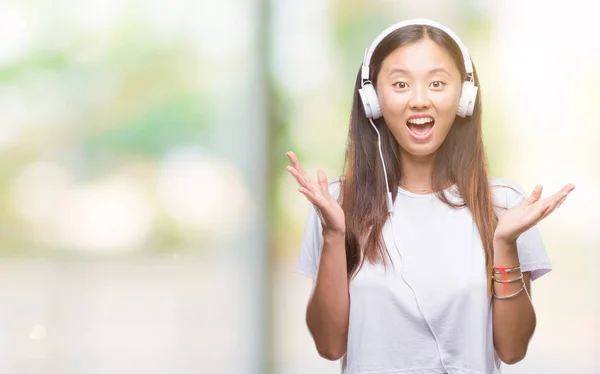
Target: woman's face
418, 87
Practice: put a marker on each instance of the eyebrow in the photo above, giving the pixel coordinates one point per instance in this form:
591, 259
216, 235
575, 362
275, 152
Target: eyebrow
406, 72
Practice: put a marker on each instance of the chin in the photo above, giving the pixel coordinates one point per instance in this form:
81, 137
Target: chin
420, 150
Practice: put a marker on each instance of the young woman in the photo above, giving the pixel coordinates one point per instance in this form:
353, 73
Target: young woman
421, 262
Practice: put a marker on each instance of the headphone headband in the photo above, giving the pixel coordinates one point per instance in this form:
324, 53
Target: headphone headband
365, 71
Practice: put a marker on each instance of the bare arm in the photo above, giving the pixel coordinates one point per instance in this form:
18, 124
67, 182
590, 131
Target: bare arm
513, 319
328, 308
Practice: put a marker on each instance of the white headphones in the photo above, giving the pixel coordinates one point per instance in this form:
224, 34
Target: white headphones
368, 95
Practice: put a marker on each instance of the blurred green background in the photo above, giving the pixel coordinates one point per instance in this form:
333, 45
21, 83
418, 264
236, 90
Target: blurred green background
147, 223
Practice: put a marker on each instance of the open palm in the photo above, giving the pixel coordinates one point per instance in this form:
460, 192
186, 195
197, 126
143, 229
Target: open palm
528, 213
327, 207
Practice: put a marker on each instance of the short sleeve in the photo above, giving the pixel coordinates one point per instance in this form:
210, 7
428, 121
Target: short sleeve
312, 239
532, 251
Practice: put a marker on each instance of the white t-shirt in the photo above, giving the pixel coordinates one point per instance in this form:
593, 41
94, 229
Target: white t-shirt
444, 262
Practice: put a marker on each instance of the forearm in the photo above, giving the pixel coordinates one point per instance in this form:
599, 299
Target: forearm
328, 309
514, 318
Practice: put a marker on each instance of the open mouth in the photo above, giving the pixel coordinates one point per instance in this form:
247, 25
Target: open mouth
420, 128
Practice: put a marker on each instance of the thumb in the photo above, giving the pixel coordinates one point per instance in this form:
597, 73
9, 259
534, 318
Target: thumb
536, 194
322, 178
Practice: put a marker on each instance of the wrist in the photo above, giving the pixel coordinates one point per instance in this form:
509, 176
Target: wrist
505, 253
504, 241
333, 234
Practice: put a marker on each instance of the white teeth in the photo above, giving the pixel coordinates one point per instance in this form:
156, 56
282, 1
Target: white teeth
420, 121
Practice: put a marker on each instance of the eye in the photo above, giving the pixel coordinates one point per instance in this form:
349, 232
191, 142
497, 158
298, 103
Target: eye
437, 84
401, 85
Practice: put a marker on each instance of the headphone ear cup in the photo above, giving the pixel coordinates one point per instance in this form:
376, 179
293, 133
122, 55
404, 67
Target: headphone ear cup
471, 106
365, 102
368, 96
466, 102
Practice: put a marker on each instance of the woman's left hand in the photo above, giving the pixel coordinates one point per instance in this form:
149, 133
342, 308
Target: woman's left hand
528, 213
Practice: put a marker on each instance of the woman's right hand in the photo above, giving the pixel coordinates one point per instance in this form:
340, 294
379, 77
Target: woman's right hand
327, 207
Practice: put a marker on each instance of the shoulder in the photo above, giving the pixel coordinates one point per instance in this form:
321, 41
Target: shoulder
503, 184
506, 193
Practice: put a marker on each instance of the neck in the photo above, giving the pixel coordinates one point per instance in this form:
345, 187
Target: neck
416, 171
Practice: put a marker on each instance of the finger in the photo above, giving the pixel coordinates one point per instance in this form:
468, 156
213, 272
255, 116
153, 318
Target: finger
322, 178
550, 209
295, 163
547, 210
295, 174
308, 194
299, 178
560, 195
536, 194
301, 172
548, 205
558, 198
290, 154
560, 202
306, 184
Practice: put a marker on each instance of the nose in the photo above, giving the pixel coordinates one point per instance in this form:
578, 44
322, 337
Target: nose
418, 98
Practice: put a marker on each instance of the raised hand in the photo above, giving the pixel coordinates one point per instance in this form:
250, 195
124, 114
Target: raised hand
528, 213
329, 210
